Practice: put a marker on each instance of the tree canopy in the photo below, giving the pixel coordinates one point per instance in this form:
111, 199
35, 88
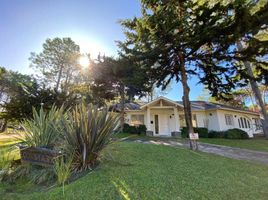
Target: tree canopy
58, 62
176, 39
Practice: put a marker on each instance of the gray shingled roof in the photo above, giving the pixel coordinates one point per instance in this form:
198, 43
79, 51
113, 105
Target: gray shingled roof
196, 105
128, 106
203, 105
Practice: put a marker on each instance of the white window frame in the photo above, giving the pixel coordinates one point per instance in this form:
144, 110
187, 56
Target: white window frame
137, 119
229, 120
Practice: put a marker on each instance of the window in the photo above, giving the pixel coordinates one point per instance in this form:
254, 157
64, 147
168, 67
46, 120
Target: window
137, 119
244, 123
257, 124
183, 121
229, 120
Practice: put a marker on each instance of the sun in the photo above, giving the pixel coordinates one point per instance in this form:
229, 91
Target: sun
84, 61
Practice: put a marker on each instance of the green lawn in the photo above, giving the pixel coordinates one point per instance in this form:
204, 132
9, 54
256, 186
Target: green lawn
143, 171
252, 144
8, 148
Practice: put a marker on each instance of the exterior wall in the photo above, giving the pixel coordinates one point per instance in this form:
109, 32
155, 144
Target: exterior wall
205, 119
213, 120
236, 116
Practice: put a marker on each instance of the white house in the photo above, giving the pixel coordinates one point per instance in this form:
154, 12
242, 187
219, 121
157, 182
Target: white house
164, 117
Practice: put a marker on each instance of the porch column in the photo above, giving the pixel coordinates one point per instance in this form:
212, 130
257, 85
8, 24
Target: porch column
177, 122
148, 119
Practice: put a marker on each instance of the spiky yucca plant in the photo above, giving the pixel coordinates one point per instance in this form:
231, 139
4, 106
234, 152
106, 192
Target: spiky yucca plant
41, 131
85, 133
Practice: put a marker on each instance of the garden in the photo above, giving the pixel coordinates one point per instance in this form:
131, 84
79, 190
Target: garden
57, 145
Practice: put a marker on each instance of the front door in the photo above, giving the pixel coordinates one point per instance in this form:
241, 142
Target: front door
161, 124
164, 125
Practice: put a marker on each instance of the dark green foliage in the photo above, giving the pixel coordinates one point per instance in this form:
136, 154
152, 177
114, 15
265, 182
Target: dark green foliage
111, 74
200, 36
229, 134
141, 129
184, 132
24, 92
216, 134
202, 132
235, 134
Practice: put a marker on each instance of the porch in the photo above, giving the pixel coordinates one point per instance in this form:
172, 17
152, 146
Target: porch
162, 117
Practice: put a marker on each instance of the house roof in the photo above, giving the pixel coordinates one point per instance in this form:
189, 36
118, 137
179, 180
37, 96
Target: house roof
203, 105
196, 106
128, 106
161, 98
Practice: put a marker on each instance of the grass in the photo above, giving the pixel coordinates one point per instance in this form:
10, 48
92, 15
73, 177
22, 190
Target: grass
257, 144
143, 171
7, 146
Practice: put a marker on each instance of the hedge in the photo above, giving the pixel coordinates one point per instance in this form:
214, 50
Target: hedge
235, 134
141, 129
229, 134
202, 132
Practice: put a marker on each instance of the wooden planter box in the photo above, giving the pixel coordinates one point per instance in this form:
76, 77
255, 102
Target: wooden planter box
38, 156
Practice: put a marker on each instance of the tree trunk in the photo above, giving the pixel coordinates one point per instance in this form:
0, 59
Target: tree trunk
3, 125
257, 94
187, 103
259, 100
122, 114
67, 81
59, 78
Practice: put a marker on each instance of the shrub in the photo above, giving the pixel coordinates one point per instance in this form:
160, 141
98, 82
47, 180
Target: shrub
236, 134
184, 132
202, 132
41, 130
216, 134
141, 129
126, 128
85, 132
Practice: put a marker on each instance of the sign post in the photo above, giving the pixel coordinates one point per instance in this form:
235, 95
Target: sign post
194, 137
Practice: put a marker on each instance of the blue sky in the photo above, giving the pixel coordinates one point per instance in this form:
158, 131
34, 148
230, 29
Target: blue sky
92, 24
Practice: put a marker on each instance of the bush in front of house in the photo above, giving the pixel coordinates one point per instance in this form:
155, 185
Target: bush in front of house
235, 134
202, 132
130, 129
216, 134
141, 129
